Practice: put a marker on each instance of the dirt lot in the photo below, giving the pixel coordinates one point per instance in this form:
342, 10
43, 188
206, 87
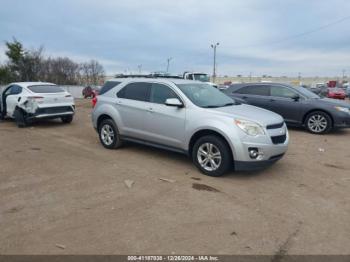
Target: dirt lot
63, 193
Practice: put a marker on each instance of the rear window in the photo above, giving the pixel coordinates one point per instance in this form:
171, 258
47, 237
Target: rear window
108, 86
46, 89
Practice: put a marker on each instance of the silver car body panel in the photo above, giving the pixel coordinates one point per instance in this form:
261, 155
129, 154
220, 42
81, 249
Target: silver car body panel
174, 127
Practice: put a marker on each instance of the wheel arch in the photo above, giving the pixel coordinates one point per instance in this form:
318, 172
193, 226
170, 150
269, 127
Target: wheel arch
318, 110
205, 132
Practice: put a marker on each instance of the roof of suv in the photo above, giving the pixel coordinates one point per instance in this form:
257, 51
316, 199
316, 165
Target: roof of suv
158, 79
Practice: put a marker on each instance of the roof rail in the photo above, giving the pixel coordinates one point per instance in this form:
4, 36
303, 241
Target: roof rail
148, 76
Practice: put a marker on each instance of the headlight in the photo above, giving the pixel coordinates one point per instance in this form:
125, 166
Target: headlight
249, 127
342, 109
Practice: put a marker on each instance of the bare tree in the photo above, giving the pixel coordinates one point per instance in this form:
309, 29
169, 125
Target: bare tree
92, 72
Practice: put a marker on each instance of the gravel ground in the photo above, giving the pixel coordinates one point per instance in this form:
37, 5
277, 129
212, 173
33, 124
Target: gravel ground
63, 193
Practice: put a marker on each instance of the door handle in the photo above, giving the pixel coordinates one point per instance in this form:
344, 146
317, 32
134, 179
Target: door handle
119, 102
150, 109
272, 100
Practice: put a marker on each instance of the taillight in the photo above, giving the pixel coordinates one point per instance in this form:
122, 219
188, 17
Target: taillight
94, 101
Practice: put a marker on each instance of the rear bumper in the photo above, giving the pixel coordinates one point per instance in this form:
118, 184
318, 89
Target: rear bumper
52, 112
256, 165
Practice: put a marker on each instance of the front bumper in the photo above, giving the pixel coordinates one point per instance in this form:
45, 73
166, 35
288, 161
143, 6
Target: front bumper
271, 147
256, 165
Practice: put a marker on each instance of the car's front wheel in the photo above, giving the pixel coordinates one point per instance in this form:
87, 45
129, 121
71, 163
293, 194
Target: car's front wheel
109, 135
318, 122
212, 155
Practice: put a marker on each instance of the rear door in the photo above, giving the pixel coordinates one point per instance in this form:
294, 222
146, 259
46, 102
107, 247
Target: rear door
131, 103
164, 124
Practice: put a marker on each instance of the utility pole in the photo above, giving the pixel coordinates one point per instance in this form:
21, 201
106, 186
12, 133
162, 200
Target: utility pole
168, 63
139, 68
214, 46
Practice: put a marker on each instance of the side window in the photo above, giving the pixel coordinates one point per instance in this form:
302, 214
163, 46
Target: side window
108, 86
260, 90
15, 90
189, 76
280, 91
136, 91
160, 93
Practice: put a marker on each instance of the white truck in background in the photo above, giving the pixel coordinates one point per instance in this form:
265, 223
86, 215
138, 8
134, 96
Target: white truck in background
203, 77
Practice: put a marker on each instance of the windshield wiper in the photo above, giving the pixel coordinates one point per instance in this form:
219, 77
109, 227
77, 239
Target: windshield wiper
216, 106
229, 104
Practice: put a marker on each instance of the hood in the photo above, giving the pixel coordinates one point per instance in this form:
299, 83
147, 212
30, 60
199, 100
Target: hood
333, 102
262, 116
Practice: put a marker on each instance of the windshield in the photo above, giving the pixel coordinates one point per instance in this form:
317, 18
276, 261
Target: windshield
201, 77
46, 89
204, 95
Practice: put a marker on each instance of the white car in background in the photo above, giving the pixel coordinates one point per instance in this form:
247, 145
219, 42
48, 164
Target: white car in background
29, 101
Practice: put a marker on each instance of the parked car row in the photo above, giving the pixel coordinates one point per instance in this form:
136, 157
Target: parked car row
243, 126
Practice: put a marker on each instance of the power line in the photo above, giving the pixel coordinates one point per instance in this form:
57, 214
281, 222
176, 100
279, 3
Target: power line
292, 37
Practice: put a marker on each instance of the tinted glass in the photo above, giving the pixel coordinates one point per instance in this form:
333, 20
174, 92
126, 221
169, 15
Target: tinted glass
15, 90
205, 95
108, 86
160, 93
46, 89
260, 90
308, 93
201, 77
280, 91
136, 91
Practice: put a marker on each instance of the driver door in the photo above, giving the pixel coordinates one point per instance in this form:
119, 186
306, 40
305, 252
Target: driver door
283, 103
12, 97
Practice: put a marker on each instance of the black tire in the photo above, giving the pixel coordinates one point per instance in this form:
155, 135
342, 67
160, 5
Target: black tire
20, 118
67, 119
115, 141
318, 122
220, 145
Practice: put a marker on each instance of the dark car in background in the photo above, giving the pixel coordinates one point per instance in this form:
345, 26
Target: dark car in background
91, 91
297, 105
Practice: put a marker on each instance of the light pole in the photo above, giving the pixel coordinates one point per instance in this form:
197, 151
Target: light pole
344, 73
140, 68
214, 46
168, 63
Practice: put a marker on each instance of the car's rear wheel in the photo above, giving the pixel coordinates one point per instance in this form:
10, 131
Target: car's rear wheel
318, 122
109, 134
67, 119
212, 156
20, 118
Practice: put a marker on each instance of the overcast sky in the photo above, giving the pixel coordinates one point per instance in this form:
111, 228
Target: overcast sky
254, 35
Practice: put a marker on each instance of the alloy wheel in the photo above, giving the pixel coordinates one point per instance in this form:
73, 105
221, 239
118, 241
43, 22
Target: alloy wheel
107, 135
317, 123
209, 157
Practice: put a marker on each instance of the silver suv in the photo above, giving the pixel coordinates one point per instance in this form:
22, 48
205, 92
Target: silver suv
190, 117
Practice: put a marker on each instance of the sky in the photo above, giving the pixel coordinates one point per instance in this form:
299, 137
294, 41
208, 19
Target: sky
254, 36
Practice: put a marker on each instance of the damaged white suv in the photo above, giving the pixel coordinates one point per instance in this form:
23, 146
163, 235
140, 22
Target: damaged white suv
28, 101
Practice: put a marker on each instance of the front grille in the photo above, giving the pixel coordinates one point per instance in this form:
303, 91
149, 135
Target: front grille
54, 110
275, 126
279, 139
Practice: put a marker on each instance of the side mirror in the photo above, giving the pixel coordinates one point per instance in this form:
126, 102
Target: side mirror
173, 102
296, 97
